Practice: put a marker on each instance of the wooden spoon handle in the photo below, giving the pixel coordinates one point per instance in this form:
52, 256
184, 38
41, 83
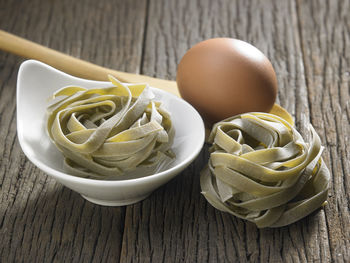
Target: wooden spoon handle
74, 66
87, 70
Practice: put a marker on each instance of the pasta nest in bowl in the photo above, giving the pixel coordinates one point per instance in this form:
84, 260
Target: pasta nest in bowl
261, 170
104, 133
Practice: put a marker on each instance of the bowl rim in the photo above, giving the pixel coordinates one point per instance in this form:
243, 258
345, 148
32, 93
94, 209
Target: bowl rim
89, 181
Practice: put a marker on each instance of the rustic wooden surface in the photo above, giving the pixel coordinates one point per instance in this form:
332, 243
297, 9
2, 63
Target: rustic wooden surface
308, 42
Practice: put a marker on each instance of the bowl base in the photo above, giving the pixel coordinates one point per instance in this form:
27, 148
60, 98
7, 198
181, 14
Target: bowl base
115, 202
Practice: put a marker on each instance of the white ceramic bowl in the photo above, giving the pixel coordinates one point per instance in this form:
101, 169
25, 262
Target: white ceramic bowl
37, 81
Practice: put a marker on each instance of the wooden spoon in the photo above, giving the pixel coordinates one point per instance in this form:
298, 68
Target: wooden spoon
87, 70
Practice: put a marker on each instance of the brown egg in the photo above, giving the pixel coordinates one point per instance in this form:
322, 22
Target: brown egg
223, 77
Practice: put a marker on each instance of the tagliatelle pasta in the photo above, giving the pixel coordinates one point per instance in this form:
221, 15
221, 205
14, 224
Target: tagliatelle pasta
261, 170
106, 132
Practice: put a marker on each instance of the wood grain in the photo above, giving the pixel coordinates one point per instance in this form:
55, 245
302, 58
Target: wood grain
308, 45
41, 221
325, 28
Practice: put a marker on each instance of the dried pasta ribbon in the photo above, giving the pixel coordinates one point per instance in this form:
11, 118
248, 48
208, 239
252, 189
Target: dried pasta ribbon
105, 132
261, 170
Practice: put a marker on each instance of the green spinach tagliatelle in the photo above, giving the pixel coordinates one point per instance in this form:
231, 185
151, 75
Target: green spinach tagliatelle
261, 170
105, 132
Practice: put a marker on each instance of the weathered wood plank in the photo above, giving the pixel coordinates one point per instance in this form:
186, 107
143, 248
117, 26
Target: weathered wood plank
176, 223
307, 42
325, 28
41, 221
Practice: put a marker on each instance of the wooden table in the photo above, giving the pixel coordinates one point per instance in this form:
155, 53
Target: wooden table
308, 43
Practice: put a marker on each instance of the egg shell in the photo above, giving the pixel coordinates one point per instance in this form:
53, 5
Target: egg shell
223, 77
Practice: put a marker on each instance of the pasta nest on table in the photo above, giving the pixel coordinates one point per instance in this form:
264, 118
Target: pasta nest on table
105, 132
261, 170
